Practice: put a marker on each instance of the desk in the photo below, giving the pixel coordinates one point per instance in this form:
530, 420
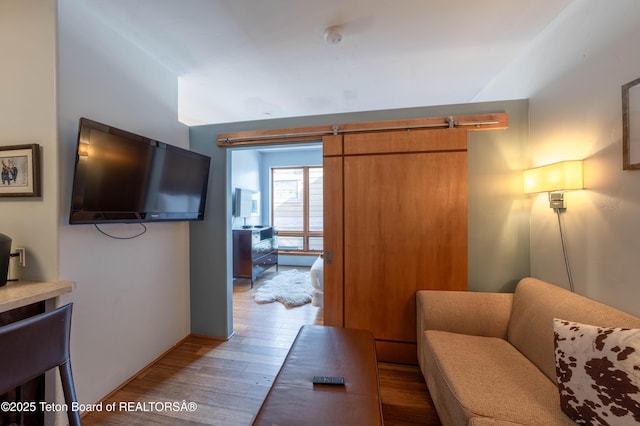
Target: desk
19, 300
17, 294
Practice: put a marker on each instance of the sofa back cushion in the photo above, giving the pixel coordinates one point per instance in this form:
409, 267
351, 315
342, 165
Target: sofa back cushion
535, 305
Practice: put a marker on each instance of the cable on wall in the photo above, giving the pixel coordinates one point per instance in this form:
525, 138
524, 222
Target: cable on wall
144, 230
564, 252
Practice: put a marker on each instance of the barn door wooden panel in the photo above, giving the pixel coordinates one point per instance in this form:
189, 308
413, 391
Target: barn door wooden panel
333, 231
405, 228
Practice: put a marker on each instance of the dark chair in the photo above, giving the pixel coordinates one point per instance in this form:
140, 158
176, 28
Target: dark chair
30, 347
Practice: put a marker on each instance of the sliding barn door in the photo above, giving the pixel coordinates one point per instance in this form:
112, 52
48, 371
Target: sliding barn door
400, 226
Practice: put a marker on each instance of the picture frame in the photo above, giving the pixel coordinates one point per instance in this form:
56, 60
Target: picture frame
20, 171
631, 125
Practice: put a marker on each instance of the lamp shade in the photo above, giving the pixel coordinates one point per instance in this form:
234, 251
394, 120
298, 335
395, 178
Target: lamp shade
561, 176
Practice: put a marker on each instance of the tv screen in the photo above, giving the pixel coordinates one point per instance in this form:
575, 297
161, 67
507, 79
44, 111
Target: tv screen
246, 203
123, 177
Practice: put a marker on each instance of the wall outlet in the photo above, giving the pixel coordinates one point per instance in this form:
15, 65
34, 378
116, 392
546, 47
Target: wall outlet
22, 256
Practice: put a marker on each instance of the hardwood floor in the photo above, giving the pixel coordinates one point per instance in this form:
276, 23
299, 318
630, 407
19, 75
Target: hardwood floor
227, 380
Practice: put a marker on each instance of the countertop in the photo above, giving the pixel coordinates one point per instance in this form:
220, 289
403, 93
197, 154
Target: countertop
16, 294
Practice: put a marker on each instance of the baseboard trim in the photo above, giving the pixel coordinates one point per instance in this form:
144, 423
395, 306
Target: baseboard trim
204, 336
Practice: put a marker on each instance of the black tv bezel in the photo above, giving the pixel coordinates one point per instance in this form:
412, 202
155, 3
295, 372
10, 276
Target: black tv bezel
78, 216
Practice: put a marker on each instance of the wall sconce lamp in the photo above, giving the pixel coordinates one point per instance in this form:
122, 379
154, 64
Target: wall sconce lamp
555, 179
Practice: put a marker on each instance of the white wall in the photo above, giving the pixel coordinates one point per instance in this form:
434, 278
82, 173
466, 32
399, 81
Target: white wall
132, 296
573, 75
28, 115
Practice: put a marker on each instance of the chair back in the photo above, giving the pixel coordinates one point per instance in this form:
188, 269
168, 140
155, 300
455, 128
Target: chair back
32, 346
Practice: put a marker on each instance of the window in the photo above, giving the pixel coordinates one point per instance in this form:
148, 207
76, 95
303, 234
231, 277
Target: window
296, 208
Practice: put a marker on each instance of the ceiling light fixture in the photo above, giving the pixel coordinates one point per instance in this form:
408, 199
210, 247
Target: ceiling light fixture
333, 35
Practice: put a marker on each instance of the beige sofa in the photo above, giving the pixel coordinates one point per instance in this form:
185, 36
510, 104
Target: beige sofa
488, 358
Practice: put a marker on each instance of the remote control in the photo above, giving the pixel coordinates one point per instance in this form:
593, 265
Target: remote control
328, 380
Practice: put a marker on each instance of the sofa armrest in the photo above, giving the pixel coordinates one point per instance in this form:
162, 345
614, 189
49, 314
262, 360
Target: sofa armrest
475, 313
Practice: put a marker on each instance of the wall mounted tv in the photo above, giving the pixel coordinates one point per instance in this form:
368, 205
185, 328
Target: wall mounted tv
121, 177
246, 203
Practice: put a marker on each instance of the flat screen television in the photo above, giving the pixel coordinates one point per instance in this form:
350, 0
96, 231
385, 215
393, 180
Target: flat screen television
246, 203
121, 177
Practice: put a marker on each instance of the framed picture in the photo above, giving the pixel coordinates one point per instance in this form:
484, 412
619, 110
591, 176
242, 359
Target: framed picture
20, 171
631, 125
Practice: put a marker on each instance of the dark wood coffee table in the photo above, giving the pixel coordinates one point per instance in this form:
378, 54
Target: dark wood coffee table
326, 351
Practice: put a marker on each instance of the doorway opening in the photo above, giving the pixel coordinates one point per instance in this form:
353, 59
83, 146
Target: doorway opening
283, 228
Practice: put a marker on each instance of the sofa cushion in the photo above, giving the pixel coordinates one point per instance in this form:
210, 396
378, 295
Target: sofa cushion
464, 312
598, 373
473, 378
535, 305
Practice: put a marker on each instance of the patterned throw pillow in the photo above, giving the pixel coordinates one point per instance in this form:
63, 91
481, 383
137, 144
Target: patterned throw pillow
598, 373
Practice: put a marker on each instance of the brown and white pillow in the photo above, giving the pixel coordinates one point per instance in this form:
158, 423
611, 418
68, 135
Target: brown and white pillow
598, 373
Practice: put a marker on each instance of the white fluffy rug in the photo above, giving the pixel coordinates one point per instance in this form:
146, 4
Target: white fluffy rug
291, 288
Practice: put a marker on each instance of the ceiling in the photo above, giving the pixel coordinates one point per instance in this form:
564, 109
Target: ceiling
240, 60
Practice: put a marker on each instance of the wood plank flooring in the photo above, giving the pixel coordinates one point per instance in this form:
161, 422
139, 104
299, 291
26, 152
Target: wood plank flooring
228, 380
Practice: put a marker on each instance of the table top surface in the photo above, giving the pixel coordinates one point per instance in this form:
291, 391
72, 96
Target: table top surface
16, 294
326, 351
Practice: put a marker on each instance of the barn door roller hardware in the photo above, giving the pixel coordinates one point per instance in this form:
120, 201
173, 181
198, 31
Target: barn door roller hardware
301, 134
